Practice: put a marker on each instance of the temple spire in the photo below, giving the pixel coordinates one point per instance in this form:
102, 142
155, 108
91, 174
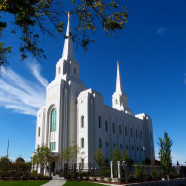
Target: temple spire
119, 86
68, 46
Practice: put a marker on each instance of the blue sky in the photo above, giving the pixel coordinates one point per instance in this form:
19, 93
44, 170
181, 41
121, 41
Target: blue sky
152, 55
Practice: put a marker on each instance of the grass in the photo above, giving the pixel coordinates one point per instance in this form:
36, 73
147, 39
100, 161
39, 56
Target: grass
23, 183
80, 183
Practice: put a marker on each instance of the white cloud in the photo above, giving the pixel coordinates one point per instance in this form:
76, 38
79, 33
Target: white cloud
20, 94
161, 31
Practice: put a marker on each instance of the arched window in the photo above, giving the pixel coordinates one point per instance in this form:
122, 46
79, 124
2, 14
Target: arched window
125, 131
113, 127
82, 142
53, 121
59, 70
106, 126
39, 130
82, 121
100, 143
120, 146
116, 101
120, 129
99, 120
107, 144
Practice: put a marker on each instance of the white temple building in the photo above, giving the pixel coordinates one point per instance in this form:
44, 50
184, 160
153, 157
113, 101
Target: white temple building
76, 114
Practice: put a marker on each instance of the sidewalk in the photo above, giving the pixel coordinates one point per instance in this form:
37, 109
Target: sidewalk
56, 181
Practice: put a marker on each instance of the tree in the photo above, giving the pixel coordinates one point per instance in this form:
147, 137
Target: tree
165, 157
20, 160
42, 156
71, 153
29, 19
99, 157
5, 163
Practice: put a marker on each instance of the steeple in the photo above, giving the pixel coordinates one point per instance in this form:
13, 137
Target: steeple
67, 67
68, 46
119, 98
119, 86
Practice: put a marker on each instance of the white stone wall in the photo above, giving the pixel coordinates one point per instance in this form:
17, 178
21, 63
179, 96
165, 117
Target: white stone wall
91, 106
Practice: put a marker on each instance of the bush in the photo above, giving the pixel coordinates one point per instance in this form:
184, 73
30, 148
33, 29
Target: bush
139, 174
109, 180
105, 172
69, 176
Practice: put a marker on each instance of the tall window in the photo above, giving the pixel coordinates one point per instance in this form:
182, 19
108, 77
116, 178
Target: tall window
39, 130
53, 121
99, 120
82, 121
100, 143
82, 163
120, 129
151, 135
131, 132
125, 131
113, 127
141, 135
53, 146
120, 146
136, 134
82, 142
106, 126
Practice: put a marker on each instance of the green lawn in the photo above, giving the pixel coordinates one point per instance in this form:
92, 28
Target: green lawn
80, 183
23, 183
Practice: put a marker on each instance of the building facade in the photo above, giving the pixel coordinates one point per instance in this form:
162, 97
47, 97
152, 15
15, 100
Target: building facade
76, 114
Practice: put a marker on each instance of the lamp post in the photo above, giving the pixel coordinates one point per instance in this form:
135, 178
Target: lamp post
144, 154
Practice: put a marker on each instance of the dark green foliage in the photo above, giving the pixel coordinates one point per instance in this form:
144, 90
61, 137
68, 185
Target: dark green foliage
20, 160
5, 163
30, 17
165, 154
22, 183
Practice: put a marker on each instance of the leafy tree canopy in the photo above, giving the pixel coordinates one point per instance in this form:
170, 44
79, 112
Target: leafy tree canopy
165, 157
5, 163
29, 15
71, 153
20, 160
42, 156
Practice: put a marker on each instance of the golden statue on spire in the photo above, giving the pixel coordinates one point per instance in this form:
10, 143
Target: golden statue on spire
69, 16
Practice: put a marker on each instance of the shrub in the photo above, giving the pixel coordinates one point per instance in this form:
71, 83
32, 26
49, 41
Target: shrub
69, 176
95, 179
139, 174
102, 178
109, 180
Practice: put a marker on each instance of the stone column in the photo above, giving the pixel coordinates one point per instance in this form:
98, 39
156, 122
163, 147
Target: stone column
119, 170
111, 167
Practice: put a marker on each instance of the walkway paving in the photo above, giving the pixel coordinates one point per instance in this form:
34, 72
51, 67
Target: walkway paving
56, 181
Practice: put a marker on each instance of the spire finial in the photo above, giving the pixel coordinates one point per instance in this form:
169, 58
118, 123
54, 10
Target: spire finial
69, 16
118, 62
68, 46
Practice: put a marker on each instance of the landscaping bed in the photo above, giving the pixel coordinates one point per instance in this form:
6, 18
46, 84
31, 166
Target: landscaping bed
23, 183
